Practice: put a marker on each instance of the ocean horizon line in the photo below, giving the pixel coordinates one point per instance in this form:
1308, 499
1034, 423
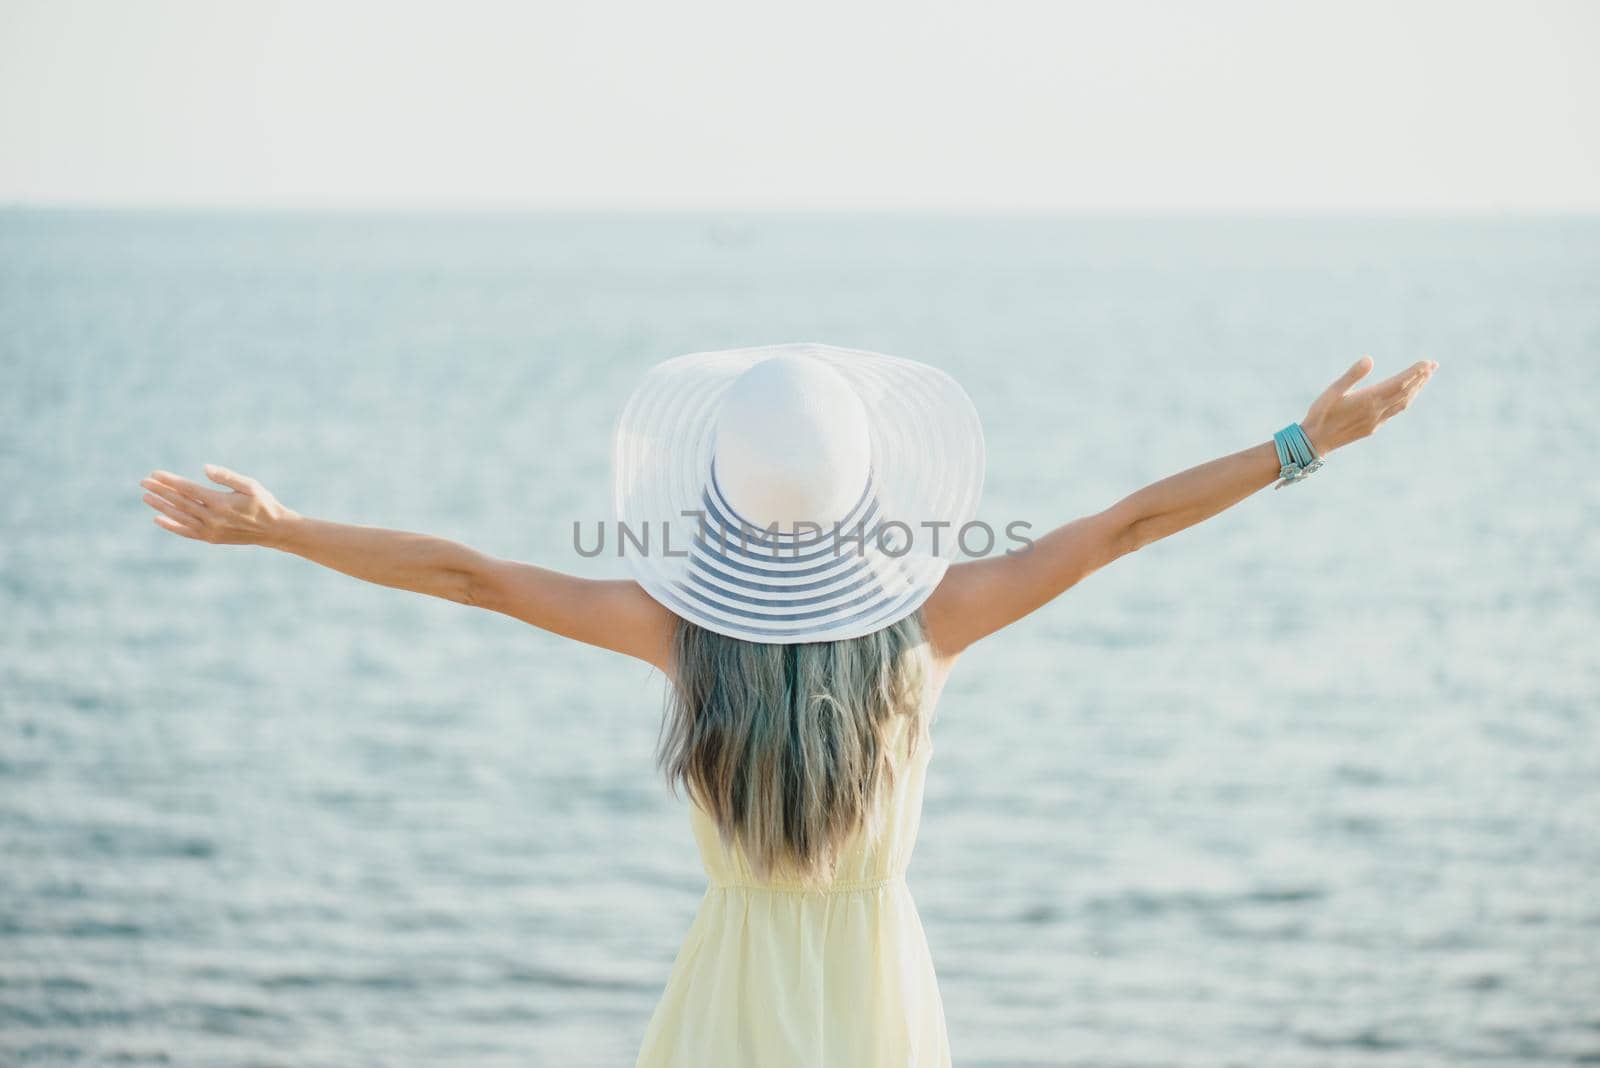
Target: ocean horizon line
886, 212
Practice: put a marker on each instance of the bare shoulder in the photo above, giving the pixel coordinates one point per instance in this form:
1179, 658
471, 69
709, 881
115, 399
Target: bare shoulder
979, 597
614, 614
644, 626
946, 615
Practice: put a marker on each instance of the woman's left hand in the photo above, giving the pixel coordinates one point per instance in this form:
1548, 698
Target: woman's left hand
1338, 417
243, 514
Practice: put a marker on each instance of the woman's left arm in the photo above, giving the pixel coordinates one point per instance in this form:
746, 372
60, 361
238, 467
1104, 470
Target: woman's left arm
979, 597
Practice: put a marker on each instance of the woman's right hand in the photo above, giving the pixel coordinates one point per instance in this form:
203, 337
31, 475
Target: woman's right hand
243, 514
610, 613
1338, 417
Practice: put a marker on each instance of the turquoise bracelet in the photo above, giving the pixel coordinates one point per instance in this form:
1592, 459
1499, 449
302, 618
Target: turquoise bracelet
1296, 457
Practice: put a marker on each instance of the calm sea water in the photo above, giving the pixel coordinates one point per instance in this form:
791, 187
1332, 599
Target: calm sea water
1314, 783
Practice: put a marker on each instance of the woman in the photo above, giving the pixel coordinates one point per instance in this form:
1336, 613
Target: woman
791, 515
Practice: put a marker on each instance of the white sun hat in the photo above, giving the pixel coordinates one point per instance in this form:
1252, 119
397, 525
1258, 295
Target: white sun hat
794, 493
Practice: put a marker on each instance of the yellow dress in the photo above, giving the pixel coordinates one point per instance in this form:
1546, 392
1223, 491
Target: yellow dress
771, 976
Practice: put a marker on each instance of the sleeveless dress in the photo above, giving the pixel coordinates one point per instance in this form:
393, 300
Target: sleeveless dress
773, 976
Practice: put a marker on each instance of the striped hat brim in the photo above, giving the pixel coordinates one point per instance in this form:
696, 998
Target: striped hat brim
693, 553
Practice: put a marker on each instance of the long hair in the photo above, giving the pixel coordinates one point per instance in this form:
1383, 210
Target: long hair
786, 747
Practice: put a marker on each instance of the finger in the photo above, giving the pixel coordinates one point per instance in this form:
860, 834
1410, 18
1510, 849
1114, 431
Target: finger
232, 479
1391, 390
1396, 385
1400, 403
174, 496
172, 493
1356, 373
183, 487
1417, 377
173, 510
1417, 371
189, 505
178, 528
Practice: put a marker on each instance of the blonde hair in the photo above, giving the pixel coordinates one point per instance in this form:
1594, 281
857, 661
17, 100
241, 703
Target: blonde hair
786, 747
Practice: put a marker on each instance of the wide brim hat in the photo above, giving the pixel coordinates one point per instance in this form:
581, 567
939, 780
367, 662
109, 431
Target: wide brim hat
901, 440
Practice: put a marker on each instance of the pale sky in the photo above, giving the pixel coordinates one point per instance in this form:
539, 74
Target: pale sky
1406, 105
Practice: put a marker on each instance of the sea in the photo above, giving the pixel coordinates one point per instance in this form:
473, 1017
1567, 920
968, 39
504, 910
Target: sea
1315, 782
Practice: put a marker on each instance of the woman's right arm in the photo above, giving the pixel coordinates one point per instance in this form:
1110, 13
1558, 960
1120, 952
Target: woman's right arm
612, 614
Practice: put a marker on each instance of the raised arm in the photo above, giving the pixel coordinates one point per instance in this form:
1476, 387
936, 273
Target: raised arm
613, 614
978, 597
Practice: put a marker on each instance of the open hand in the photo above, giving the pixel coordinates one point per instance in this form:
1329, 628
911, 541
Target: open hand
243, 514
1338, 417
